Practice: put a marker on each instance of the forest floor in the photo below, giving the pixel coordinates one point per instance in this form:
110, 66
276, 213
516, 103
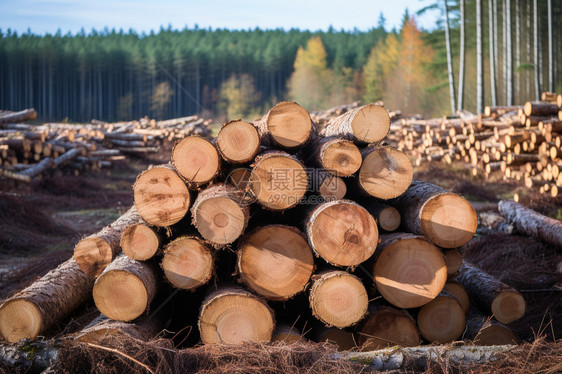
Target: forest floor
40, 224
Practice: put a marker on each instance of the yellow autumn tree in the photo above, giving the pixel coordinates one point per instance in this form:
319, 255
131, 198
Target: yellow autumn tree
238, 96
309, 84
381, 66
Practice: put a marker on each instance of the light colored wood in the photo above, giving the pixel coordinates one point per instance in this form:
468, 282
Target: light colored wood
369, 123
187, 263
338, 298
238, 142
278, 180
161, 196
327, 185
458, 291
233, 316
287, 335
342, 232
140, 242
275, 261
339, 156
385, 172
219, 214
442, 320
125, 289
387, 217
104, 328
286, 125
453, 260
486, 331
48, 300
196, 160
409, 271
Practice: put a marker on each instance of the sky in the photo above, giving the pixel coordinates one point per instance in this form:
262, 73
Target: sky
47, 16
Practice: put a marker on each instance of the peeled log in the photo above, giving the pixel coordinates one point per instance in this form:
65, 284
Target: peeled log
47, 301
95, 252
238, 142
369, 123
278, 180
446, 219
409, 271
196, 160
219, 214
442, 320
505, 303
342, 232
338, 298
286, 125
125, 289
161, 196
339, 156
233, 316
140, 242
187, 263
487, 331
275, 261
532, 223
385, 173
387, 326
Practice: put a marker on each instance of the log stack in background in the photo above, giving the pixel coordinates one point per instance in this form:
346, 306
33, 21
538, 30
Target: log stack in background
275, 247
522, 142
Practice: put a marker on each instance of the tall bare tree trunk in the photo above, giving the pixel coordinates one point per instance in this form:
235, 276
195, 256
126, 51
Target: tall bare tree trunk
479, 64
536, 49
517, 94
449, 60
509, 50
461, 58
550, 59
493, 51
504, 51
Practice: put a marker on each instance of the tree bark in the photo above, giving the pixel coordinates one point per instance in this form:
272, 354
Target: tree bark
532, 223
550, 50
446, 219
275, 261
24, 115
125, 289
449, 58
485, 331
45, 302
286, 125
95, 252
492, 36
540, 109
460, 101
369, 123
102, 327
509, 85
188, 263
479, 60
536, 49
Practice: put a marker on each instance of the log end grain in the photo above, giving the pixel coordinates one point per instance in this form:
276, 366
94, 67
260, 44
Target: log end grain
448, 220
235, 316
494, 334
442, 320
341, 157
342, 232
93, 255
385, 173
388, 327
196, 160
371, 123
161, 197
238, 142
275, 261
508, 306
289, 124
139, 242
453, 260
287, 335
343, 339
338, 299
20, 318
332, 188
187, 263
458, 291
389, 218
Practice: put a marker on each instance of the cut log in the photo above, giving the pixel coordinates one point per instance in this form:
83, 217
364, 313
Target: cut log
287, 335
187, 263
343, 339
233, 316
219, 214
95, 252
102, 327
37, 169
387, 217
339, 156
532, 223
453, 260
385, 173
369, 123
327, 185
278, 180
409, 271
140, 242
45, 302
342, 232
275, 261
161, 196
487, 331
386, 326
338, 298
505, 303
458, 291
238, 142
196, 160
239, 178
446, 219
540, 109
442, 320
14, 117
286, 125
125, 289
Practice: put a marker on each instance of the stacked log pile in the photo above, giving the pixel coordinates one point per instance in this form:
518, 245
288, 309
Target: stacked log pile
523, 143
27, 151
317, 223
